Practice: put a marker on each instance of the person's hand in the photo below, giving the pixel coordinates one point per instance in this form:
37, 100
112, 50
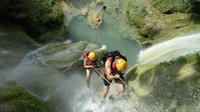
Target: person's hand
116, 76
91, 66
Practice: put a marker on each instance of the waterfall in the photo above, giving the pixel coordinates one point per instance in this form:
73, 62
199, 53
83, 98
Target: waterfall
170, 49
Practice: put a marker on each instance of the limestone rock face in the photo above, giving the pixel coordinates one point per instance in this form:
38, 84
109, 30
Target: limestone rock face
145, 17
158, 21
57, 35
84, 11
46, 70
171, 86
60, 56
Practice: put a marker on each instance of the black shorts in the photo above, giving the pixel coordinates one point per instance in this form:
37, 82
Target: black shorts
107, 83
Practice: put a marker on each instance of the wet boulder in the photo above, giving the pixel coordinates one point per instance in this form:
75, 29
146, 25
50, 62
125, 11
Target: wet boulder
94, 19
59, 34
37, 16
168, 86
60, 56
145, 17
16, 99
43, 69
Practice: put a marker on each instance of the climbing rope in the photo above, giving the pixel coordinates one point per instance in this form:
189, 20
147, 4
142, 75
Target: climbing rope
128, 100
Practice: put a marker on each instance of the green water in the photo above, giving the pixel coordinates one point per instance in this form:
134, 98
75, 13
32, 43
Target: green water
115, 33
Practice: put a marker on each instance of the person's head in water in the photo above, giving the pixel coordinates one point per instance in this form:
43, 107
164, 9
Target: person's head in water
104, 7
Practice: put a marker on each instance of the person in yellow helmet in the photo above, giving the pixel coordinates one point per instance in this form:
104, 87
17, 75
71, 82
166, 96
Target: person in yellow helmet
90, 62
115, 64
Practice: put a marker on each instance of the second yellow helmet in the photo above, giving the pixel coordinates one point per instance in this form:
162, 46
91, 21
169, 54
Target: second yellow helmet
121, 65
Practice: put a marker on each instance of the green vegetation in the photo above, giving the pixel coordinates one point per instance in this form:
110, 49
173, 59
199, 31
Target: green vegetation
16, 99
161, 20
171, 6
135, 12
172, 85
38, 16
177, 24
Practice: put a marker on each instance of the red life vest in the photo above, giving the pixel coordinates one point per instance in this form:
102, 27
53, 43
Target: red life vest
113, 66
88, 61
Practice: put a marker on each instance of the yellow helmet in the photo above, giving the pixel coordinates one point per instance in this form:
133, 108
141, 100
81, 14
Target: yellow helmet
121, 65
92, 56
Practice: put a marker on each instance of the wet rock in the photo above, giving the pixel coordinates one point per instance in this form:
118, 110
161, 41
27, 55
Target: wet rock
57, 35
150, 27
15, 99
99, 1
60, 56
84, 11
146, 44
94, 19
168, 86
37, 16
14, 43
172, 6
145, 17
135, 12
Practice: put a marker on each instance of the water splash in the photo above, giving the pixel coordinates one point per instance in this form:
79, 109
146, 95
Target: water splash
66, 93
68, 41
170, 50
63, 91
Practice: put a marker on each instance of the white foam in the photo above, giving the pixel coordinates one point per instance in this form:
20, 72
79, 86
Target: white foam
171, 49
68, 41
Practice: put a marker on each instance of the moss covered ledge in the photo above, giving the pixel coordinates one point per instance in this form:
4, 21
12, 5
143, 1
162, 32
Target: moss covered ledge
171, 86
15, 99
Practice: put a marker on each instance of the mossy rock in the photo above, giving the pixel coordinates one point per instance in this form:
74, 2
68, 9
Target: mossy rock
38, 16
13, 35
168, 86
155, 27
14, 43
57, 35
171, 6
61, 56
135, 12
16, 99
145, 17
174, 6
176, 25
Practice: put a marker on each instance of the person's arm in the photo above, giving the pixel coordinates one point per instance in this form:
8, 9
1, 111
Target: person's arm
85, 66
108, 71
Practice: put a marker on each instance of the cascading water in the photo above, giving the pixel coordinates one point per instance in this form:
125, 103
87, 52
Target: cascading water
170, 50
63, 93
